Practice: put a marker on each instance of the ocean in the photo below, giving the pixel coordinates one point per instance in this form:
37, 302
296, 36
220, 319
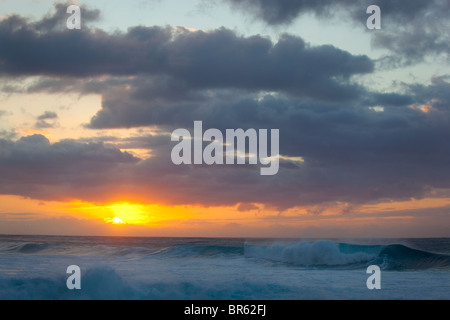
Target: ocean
128, 268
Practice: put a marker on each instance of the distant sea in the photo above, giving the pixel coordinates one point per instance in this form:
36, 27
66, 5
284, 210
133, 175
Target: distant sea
123, 268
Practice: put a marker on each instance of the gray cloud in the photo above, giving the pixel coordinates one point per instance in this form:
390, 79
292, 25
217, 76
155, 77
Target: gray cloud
143, 102
410, 31
46, 120
32, 166
42, 124
285, 11
5, 134
48, 115
437, 94
191, 60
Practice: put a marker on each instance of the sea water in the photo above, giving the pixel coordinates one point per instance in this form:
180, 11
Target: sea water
35, 267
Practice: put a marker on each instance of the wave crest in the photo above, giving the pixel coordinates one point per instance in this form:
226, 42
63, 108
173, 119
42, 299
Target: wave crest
305, 253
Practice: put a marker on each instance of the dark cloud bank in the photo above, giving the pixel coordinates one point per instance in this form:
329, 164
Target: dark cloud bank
165, 77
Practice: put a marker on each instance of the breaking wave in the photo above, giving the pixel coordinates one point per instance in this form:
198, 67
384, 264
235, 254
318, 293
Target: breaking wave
324, 253
320, 253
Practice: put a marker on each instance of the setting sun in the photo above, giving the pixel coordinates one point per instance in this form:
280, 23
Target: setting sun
128, 213
132, 213
117, 220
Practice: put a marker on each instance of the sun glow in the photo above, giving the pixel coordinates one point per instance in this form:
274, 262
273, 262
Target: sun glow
117, 220
128, 213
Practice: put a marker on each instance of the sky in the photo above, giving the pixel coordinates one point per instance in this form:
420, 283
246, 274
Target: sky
86, 117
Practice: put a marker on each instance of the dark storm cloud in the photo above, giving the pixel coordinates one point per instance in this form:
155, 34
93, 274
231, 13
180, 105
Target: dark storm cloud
196, 60
389, 99
37, 149
410, 29
64, 53
221, 59
141, 103
415, 42
32, 166
84, 86
437, 94
285, 11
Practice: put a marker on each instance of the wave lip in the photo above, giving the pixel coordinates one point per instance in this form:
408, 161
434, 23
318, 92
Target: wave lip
400, 257
307, 253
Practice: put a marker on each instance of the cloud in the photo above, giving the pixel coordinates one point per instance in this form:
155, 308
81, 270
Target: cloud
32, 166
436, 94
43, 120
283, 11
410, 32
4, 134
193, 60
286, 11
142, 103
57, 20
48, 115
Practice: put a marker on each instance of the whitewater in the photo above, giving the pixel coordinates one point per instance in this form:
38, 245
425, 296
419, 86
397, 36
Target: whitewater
125, 268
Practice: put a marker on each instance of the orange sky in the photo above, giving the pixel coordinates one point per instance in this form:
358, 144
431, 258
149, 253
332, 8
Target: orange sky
390, 219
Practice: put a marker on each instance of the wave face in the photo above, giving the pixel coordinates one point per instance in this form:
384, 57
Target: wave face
400, 257
317, 253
